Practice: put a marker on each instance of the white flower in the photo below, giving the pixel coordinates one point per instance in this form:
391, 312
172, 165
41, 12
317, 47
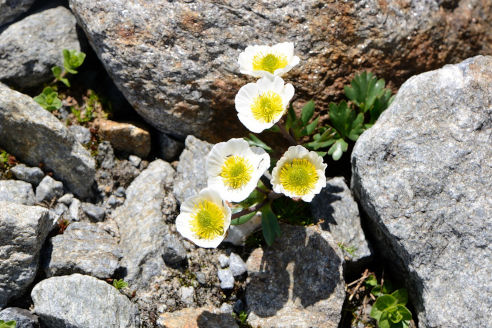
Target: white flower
204, 219
262, 104
234, 168
299, 174
260, 61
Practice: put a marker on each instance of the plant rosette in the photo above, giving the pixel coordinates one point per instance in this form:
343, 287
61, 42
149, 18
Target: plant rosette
204, 219
234, 168
262, 104
266, 61
299, 174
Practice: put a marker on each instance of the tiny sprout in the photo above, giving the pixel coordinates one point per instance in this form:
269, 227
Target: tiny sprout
72, 59
8, 324
48, 99
119, 283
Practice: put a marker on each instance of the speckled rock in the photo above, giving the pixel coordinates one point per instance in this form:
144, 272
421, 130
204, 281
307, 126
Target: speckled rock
125, 137
10, 10
22, 317
82, 302
82, 134
336, 207
146, 240
32, 46
23, 230
297, 282
17, 192
422, 174
83, 248
180, 72
48, 190
33, 175
34, 135
190, 172
197, 318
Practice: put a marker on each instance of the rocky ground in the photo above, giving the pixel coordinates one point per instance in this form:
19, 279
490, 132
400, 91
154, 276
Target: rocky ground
88, 203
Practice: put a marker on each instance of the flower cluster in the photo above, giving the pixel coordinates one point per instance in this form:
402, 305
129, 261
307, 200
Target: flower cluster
234, 168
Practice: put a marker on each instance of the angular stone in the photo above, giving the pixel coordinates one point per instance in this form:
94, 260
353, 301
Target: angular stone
181, 74
83, 248
223, 260
297, 282
125, 137
23, 318
82, 134
422, 174
10, 10
94, 212
73, 210
237, 265
48, 189
66, 199
93, 303
17, 192
336, 207
23, 230
33, 175
34, 135
197, 318
226, 278
145, 238
191, 176
32, 46
187, 295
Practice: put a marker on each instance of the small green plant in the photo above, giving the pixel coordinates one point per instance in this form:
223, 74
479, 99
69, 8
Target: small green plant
119, 283
8, 324
348, 249
48, 99
389, 310
242, 316
4, 157
72, 59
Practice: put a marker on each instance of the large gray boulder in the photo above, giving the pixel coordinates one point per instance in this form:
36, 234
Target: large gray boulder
297, 282
79, 301
34, 135
31, 47
23, 230
180, 72
17, 192
423, 175
11, 9
339, 213
83, 248
146, 240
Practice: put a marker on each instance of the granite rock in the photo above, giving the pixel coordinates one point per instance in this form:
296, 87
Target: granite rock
146, 240
421, 174
125, 137
190, 172
82, 302
237, 265
10, 10
32, 46
23, 230
33, 175
83, 248
94, 212
180, 71
226, 278
81, 134
48, 189
297, 282
17, 192
336, 207
23, 318
34, 135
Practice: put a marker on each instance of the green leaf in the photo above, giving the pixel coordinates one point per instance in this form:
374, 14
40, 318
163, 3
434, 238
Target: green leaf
72, 59
401, 296
255, 141
356, 128
8, 324
381, 304
243, 219
119, 283
275, 129
48, 99
57, 71
384, 321
291, 117
337, 149
65, 81
405, 313
309, 129
307, 112
269, 224
322, 153
345, 120
371, 281
315, 145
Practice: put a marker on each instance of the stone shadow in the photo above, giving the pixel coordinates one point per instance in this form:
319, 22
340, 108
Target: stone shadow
321, 206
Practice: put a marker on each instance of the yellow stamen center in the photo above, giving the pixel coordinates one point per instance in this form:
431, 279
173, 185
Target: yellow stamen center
236, 172
267, 107
299, 176
269, 62
208, 220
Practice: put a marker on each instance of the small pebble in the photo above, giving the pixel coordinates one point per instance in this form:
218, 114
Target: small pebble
237, 265
73, 210
66, 199
81, 134
226, 308
120, 192
33, 175
94, 212
201, 278
223, 260
187, 295
226, 279
134, 160
48, 189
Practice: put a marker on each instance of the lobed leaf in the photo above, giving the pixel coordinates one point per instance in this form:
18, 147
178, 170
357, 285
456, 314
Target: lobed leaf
307, 112
401, 296
269, 224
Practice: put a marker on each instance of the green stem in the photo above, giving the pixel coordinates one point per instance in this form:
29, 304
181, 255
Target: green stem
286, 134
